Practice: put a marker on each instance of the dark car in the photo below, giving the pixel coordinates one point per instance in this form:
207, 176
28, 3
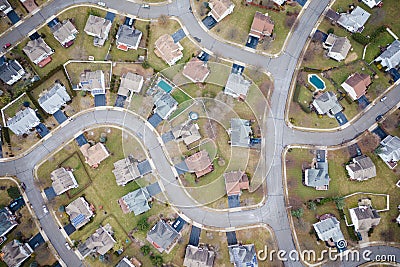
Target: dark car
379, 118
197, 39
7, 45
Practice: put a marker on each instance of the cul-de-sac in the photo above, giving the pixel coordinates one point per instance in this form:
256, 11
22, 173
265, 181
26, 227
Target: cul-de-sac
199, 133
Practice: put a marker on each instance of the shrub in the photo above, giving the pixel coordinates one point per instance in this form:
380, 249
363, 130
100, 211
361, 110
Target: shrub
142, 224
13, 192
145, 250
330, 30
359, 38
157, 260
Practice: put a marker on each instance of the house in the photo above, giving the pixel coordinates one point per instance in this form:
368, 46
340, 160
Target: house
364, 217
63, 180
362, 168
136, 201
196, 70
356, 85
372, 3
7, 221
188, 132
128, 38
338, 47
130, 83
332, 15
11, 72
243, 255
279, 2
389, 150
390, 58
23, 121
200, 256
99, 28
220, 9
163, 236
101, 241
5, 7
65, 33
328, 230
30, 5
52, 100
240, 132
355, 20
126, 170
38, 52
235, 182
327, 103
15, 253
165, 104
317, 176
261, 26
166, 49
199, 163
94, 154
92, 81
126, 262
237, 86
79, 212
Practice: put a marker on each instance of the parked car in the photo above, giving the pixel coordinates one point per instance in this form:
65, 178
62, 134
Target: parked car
67, 246
101, 4
45, 210
197, 39
383, 98
7, 45
146, 6
379, 118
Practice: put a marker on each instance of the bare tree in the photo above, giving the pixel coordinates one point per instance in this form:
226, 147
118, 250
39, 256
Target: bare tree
163, 19
232, 33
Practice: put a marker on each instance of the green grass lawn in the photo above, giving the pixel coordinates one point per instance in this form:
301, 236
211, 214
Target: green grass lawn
74, 70
4, 197
17, 105
58, 76
180, 95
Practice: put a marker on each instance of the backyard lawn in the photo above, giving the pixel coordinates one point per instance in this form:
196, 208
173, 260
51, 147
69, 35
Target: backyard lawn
59, 76
75, 69
18, 105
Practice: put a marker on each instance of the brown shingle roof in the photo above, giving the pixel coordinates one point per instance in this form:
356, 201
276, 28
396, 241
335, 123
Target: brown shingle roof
199, 163
196, 70
166, 49
359, 83
262, 25
94, 154
235, 181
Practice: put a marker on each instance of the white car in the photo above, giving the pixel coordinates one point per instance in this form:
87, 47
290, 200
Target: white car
45, 210
67, 246
101, 4
383, 98
145, 6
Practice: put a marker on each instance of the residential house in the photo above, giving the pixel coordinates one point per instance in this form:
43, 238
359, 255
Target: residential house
196, 70
15, 253
38, 52
126, 262
63, 180
199, 163
5, 7
99, 28
355, 20
317, 176
390, 58
92, 81
220, 9
389, 150
240, 132
332, 15
126, 170
237, 86
128, 38
261, 26
52, 100
101, 241
372, 3
327, 103
235, 182
200, 256
7, 221
136, 201
364, 217
165, 104
163, 236
130, 83
188, 132
356, 85
65, 33
328, 230
338, 47
79, 212
23, 121
166, 49
362, 168
94, 154
11, 72
279, 2
30, 5
243, 255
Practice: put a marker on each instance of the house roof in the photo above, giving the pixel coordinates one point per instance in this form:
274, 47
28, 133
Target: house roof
340, 45
100, 241
94, 154
317, 177
125, 262
243, 255
7, 221
364, 217
237, 86
355, 20
128, 35
126, 170
262, 25
79, 212
10, 69
5, 7
198, 257
199, 163
164, 103
92, 81
15, 253
235, 181
332, 15
389, 150
390, 58
23, 121
167, 49
188, 132
240, 132
136, 201
196, 70
372, 3
53, 99
362, 167
130, 82
359, 83
97, 26
35, 49
162, 235
63, 180
327, 102
64, 31
219, 7
329, 228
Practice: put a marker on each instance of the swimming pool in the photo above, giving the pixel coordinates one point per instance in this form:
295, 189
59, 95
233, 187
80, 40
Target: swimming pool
165, 86
316, 81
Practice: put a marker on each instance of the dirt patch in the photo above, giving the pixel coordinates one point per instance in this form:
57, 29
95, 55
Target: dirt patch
351, 57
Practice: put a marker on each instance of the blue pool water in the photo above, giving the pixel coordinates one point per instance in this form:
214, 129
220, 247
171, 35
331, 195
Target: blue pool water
165, 86
316, 81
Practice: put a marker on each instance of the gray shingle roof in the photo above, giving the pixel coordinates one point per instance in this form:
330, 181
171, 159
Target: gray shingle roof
318, 177
11, 71
79, 212
329, 229
128, 36
390, 149
136, 201
162, 236
165, 104
390, 58
243, 255
63, 180
355, 20
15, 253
7, 221
327, 102
362, 167
198, 257
23, 121
52, 100
240, 132
100, 241
237, 86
